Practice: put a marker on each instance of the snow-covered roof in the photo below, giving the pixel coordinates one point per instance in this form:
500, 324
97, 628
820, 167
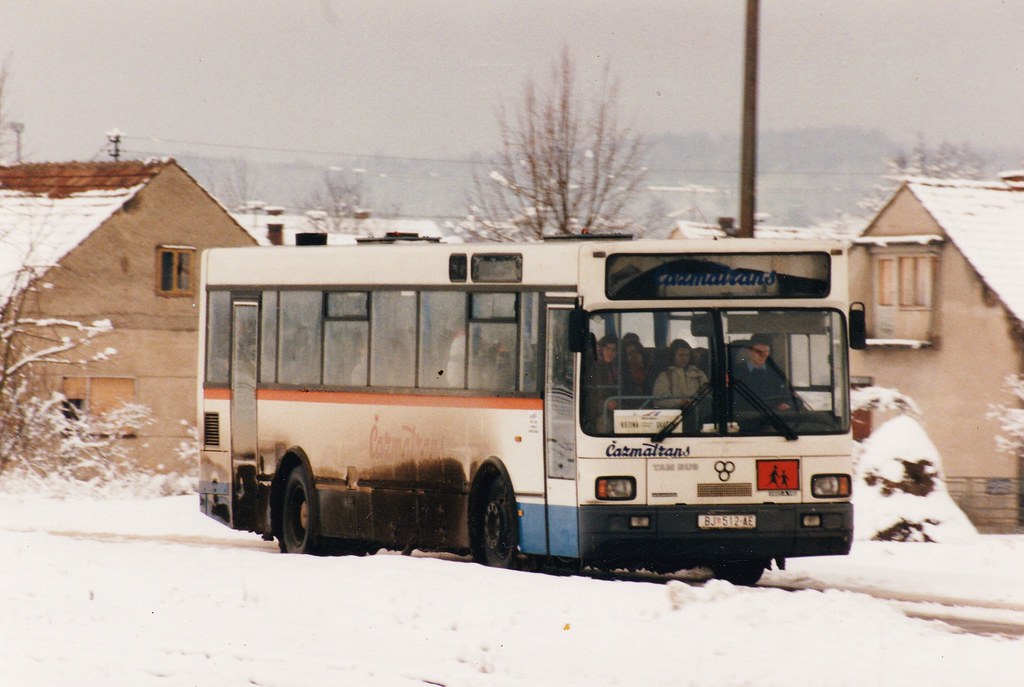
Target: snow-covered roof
702, 230
903, 240
47, 209
339, 231
985, 220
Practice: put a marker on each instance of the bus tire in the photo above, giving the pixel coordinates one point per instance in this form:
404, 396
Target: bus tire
495, 542
298, 514
742, 573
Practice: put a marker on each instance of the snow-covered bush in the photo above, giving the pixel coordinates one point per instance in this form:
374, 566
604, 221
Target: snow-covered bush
900, 493
45, 443
1011, 419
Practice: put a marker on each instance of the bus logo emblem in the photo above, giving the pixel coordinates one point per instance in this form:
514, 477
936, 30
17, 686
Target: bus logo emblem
725, 468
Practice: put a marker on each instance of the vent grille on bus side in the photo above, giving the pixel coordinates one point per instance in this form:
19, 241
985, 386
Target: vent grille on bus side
711, 490
211, 429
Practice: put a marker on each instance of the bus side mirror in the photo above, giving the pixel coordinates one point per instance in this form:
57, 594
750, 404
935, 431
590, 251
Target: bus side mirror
579, 328
858, 327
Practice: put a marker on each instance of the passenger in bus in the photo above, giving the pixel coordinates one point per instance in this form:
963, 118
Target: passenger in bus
455, 368
680, 381
634, 371
762, 377
603, 383
699, 358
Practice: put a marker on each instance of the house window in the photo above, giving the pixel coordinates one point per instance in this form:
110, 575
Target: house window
96, 396
887, 282
903, 296
175, 265
916, 281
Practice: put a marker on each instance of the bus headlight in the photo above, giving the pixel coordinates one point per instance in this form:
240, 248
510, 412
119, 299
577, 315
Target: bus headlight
615, 488
830, 486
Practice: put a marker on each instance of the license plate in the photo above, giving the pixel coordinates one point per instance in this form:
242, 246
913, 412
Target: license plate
726, 522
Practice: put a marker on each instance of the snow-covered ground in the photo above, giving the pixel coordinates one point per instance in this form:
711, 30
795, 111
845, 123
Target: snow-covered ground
150, 592
147, 591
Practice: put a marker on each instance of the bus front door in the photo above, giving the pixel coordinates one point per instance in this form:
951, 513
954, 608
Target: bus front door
244, 351
560, 436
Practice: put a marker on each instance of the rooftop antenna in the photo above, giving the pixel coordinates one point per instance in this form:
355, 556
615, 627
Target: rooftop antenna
114, 137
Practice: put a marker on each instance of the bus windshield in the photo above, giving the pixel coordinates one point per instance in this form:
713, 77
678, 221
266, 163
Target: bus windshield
695, 372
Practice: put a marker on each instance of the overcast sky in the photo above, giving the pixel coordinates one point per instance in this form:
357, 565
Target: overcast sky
424, 77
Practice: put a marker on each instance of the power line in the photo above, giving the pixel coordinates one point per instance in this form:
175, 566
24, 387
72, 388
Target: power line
478, 161
306, 151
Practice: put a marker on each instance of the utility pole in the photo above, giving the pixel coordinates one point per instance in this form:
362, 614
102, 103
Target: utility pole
748, 155
18, 128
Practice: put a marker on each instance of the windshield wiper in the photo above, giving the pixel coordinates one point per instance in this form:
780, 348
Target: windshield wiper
766, 410
684, 410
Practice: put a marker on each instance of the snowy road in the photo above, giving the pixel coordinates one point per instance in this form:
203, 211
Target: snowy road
150, 592
968, 614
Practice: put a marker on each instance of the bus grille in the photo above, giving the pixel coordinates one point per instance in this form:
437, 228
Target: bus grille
211, 429
712, 490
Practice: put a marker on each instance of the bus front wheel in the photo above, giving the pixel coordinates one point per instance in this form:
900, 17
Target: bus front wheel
497, 534
298, 517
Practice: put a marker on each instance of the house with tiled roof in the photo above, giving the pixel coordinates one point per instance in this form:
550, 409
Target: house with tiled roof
941, 271
117, 242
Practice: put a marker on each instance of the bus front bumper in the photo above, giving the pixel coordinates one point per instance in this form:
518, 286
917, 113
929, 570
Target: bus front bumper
673, 539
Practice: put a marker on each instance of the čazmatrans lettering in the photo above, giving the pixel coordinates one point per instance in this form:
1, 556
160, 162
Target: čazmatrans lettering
724, 277
646, 450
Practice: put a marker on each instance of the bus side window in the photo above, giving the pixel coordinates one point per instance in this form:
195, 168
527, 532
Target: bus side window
492, 341
218, 337
393, 345
442, 340
300, 335
346, 331
268, 337
530, 373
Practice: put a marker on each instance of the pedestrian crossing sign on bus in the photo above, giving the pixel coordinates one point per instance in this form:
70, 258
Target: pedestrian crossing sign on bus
778, 475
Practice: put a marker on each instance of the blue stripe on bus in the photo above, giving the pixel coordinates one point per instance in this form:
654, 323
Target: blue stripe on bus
564, 525
561, 530
532, 528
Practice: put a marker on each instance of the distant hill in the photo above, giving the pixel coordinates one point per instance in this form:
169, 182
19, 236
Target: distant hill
805, 177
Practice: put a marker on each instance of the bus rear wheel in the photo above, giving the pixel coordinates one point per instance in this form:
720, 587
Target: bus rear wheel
298, 517
742, 573
497, 534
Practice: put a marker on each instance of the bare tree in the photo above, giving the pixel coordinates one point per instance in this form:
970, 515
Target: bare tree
947, 161
238, 185
5, 124
339, 198
565, 165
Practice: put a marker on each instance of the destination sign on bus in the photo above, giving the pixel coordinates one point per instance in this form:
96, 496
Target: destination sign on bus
736, 275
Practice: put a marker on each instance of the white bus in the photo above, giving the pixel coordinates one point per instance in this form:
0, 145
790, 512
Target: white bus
530, 403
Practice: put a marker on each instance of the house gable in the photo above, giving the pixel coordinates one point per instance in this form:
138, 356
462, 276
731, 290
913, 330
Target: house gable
113, 273
903, 215
952, 351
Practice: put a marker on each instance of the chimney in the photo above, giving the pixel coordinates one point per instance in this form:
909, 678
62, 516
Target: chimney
727, 225
275, 229
275, 234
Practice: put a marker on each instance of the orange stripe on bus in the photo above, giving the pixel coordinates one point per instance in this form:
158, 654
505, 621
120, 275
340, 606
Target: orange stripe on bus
217, 394
363, 398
